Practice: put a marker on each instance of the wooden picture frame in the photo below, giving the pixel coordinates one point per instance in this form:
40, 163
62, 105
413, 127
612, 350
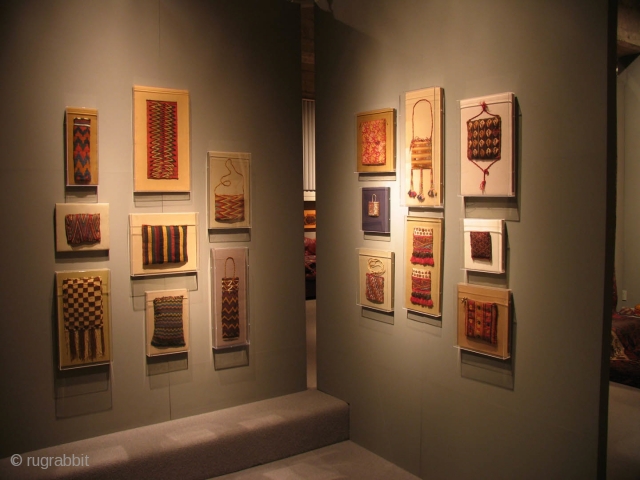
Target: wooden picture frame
78, 228
82, 147
376, 211
423, 264
376, 146
376, 277
423, 165
83, 318
310, 220
162, 161
230, 297
484, 245
487, 146
175, 264
484, 326
229, 192
163, 330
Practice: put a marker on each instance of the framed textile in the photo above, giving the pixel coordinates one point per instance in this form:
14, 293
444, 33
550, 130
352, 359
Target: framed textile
82, 226
484, 320
167, 322
81, 138
229, 190
230, 284
310, 220
422, 170
162, 243
484, 245
161, 140
84, 327
376, 141
423, 265
376, 274
487, 146
376, 209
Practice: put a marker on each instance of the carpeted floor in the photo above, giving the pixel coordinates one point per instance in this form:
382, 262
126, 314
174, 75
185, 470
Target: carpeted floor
623, 456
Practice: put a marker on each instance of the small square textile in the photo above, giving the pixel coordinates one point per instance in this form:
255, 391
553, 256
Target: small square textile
82, 228
374, 142
481, 245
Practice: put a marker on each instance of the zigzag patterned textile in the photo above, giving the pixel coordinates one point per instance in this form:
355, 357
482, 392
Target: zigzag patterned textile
229, 208
230, 308
421, 288
82, 228
483, 138
374, 287
422, 246
82, 150
374, 142
164, 244
83, 317
168, 330
162, 140
481, 321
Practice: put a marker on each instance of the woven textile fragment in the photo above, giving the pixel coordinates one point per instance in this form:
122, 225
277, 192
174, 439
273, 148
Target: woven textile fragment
162, 140
421, 288
374, 207
484, 138
374, 287
164, 244
374, 142
82, 228
230, 308
481, 245
481, 320
229, 208
82, 311
82, 150
168, 329
422, 253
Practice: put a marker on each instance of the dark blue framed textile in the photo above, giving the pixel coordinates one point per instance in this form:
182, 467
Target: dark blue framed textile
375, 209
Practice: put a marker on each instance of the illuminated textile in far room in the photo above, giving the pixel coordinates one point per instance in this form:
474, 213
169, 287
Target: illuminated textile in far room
162, 140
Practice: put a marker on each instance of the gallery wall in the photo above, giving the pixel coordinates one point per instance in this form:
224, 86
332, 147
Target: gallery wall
415, 399
240, 62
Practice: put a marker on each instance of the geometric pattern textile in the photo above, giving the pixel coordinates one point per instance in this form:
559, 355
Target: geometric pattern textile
480, 245
422, 246
230, 308
483, 138
374, 287
481, 321
81, 150
229, 208
421, 288
82, 228
164, 244
82, 311
168, 329
374, 142
162, 140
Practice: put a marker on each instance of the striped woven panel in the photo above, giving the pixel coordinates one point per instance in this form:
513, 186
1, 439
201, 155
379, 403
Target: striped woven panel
481, 321
422, 253
164, 244
229, 208
374, 142
421, 288
82, 312
82, 228
168, 329
82, 150
162, 140
484, 138
230, 308
374, 287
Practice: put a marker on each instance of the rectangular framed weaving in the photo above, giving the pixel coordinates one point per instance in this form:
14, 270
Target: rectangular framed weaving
423, 265
83, 318
487, 146
376, 274
82, 226
422, 164
484, 245
167, 322
230, 297
229, 192
162, 243
375, 133
376, 216
81, 138
162, 161
484, 320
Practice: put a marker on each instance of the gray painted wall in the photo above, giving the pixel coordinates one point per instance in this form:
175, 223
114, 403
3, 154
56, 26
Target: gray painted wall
409, 401
241, 63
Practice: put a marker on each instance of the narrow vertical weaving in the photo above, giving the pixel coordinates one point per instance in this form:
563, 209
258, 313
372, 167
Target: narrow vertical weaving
168, 329
481, 320
164, 244
421, 288
230, 309
162, 140
374, 142
422, 253
82, 228
82, 312
82, 150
